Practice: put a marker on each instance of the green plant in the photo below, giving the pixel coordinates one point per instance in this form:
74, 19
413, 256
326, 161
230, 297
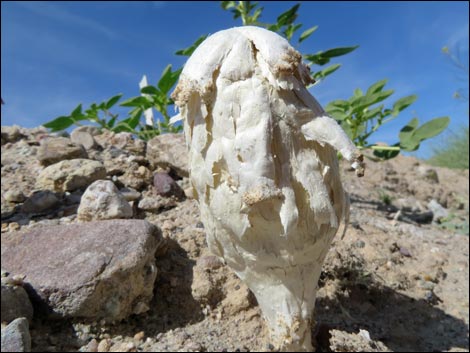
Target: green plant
155, 97
385, 198
452, 152
455, 224
360, 117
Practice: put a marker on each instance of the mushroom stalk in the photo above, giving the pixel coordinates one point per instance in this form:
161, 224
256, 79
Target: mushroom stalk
263, 165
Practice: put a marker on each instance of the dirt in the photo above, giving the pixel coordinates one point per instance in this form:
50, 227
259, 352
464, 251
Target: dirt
397, 281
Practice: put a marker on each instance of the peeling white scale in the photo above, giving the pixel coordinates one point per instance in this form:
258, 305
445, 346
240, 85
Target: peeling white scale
263, 162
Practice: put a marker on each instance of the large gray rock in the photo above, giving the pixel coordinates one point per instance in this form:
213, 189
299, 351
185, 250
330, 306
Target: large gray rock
169, 150
102, 200
53, 150
16, 337
15, 303
70, 175
97, 270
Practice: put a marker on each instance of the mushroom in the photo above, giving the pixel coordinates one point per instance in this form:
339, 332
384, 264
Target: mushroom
264, 167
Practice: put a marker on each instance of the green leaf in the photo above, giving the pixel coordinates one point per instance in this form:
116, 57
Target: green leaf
373, 113
60, 123
256, 14
273, 28
325, 72
135, 117
431, 128
376, 87
291, 29
77, 113
406, 141
338, 51
339, 103
337, 114
358, 93
307, 33
387, 154
288, 17
189, 50
168, 79
379, 96
112, 101
228, 4
136, 102
403, 103
317, 58
111, 121
150, 90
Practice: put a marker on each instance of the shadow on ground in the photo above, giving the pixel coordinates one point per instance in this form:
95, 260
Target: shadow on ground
402, 323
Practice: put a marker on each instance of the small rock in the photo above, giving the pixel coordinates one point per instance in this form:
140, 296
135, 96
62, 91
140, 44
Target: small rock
11, 134
121, 140
102, 200
153, 203
438, 211
92, 346
237, 300
427, 285
166, 186
116, 161
359, 244
139, 336
13, 226
169, 150
209, 262
94, 270
40, 201
16, 337
405, 252
364, 334
189, 193
123, 347
15, 196
104, 345
83, 136
15, 303
137, 177
53, 150
428, 174
130, 194
70, 175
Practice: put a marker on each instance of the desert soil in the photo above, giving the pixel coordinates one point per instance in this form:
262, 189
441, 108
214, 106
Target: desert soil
397, 281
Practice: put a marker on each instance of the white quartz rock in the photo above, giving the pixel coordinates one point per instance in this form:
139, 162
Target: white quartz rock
263, 164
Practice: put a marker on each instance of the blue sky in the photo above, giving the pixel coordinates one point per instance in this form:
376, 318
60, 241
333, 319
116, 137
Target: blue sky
56, 55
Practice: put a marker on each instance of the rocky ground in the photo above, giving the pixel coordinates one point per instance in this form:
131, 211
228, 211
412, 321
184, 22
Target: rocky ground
397, 281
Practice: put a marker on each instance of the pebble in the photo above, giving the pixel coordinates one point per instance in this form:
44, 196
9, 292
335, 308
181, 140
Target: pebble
15, 196
139, 336
40, 201
104, 345
13, 226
